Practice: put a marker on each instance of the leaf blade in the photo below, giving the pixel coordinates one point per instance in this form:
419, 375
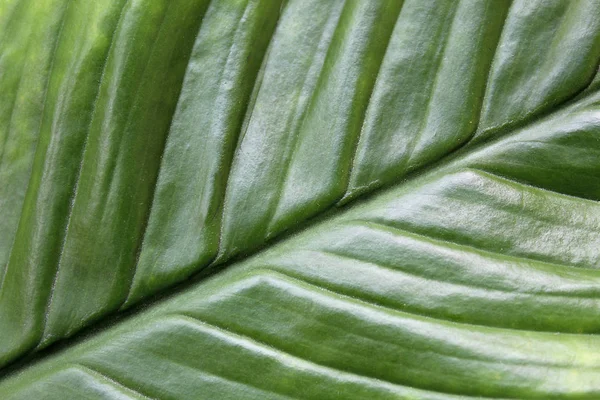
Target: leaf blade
488, 242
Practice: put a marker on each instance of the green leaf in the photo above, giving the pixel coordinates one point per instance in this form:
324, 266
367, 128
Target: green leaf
255, 199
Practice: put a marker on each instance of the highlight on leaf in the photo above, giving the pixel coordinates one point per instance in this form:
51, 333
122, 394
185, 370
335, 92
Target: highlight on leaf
275, 199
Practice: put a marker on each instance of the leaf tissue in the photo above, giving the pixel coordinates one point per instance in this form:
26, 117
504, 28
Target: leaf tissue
299, 199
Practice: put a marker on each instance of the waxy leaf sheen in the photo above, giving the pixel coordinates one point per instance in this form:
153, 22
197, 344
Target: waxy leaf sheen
299, 199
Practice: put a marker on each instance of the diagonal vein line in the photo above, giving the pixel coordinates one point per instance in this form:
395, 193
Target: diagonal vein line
4, 268
199, 323
460, 153
281, 353
380, 225
491, 68
202, 371
477, 285
302, 109
431, 91
138, 251
241, 132
356, 143
42, 111
76, 188
117, 384
21, 73
115, 159
319, 220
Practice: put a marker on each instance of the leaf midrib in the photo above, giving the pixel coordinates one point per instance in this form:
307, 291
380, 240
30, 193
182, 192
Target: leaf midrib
446, 162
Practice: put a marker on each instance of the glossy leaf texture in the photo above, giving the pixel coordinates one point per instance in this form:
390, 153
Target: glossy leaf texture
383, 199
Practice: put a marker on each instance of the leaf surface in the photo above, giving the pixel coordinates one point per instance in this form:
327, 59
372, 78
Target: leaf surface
248, 139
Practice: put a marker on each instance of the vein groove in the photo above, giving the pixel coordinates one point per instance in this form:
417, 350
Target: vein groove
431, 90
354, 147
253, 342
94, 372
154, 186
302, 107
44, 101
77, 180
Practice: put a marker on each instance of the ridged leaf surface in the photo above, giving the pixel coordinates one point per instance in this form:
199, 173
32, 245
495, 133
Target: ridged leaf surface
265, 199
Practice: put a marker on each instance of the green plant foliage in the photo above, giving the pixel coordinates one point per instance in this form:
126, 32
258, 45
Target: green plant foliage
315, 199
